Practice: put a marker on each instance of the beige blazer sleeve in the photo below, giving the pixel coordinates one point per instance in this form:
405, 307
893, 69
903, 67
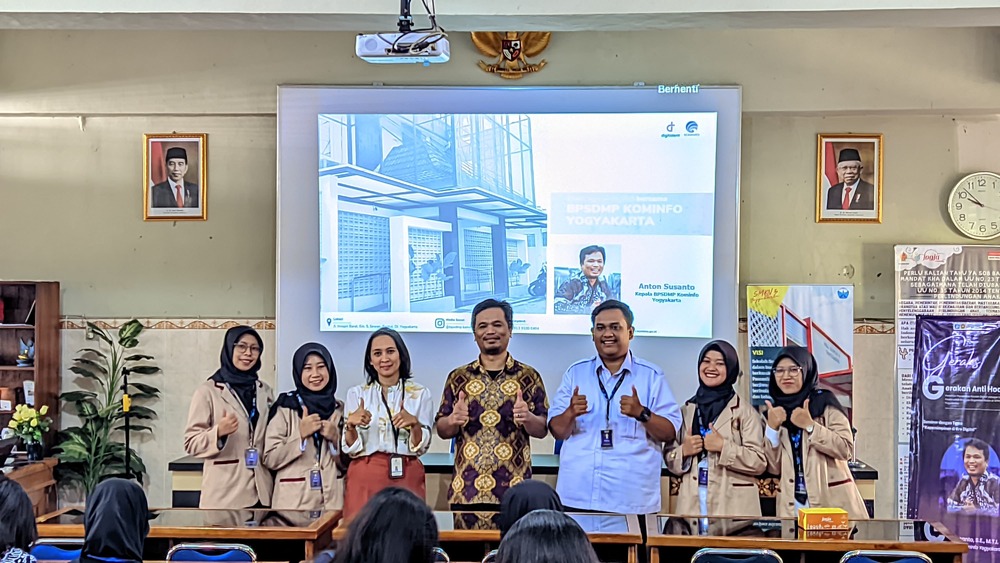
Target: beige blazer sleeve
673, 455
282, 444
833, 438
201, 437
743, 450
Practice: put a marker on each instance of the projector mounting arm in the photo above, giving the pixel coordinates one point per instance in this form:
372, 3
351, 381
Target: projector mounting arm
405, 19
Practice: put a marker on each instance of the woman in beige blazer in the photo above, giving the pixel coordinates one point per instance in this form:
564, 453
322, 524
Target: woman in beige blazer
303, 436
722, 431
226, 429
808, 440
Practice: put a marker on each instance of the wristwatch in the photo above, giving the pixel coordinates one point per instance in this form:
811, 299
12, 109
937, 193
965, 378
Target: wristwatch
644, 415
810, 429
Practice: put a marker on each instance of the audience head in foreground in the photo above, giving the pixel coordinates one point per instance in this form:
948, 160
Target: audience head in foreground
546, 536
17, 523
116, 523
395, 526
524, 498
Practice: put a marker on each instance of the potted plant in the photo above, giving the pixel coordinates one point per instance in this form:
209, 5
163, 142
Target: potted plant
97, 449
29, 425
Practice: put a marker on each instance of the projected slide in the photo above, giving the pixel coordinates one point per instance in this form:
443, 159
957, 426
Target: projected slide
423, 216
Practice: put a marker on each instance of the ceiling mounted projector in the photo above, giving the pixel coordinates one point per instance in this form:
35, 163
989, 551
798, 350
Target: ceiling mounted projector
421, 47
409, 46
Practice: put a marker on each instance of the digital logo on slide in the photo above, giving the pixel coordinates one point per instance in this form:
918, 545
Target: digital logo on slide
692, 129
670, 131
439, 323
843, 293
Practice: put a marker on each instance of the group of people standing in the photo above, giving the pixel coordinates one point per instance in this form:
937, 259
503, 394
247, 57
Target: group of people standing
614, 414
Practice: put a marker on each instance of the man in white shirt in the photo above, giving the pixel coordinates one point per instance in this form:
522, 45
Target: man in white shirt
614, 412
852, 192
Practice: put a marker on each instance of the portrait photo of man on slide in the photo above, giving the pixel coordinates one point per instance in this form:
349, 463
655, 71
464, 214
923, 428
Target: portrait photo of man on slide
587, 287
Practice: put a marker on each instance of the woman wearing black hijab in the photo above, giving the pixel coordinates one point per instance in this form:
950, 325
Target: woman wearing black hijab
719, 449
809, 439
523, 498
226, 423
115, 524
303, 434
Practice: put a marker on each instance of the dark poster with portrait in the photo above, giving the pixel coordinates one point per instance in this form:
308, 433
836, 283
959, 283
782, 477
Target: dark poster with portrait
955, 430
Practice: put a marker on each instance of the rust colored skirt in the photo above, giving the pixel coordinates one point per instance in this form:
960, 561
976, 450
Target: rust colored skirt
368, 475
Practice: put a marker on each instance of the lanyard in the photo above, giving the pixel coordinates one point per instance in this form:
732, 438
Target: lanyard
395, 431
703, 430
317, 439
607, 411
252, 415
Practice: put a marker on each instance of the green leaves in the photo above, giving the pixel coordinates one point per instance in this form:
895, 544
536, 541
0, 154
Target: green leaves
95, 449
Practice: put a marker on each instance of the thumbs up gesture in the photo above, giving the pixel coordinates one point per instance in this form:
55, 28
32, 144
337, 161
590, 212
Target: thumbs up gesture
713, 441
404, 419
801, 416
310, 424
460, 413
578, 403
521, 410
360, 417
631, 405
228, 424
776, 416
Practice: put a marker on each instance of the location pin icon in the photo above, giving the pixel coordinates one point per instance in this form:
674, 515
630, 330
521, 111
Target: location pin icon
328, 321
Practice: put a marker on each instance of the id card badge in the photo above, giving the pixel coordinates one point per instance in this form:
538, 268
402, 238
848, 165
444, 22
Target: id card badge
607, 442
315, 480
702, 476
396, 467
250, 458
800, 485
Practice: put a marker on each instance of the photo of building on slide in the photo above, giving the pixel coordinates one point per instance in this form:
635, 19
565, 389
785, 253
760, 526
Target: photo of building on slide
429, 213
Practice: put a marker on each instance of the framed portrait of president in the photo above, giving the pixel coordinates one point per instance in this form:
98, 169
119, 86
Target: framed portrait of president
175, 176
849, 178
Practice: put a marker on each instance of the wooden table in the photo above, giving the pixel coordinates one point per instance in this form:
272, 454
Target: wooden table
266, 531
476, 530
186, 481
677, 538
36, 478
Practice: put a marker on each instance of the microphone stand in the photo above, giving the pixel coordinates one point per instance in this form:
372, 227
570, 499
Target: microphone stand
126, 408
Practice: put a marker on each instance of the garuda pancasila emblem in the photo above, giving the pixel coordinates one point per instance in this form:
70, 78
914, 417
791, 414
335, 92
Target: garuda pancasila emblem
512, 49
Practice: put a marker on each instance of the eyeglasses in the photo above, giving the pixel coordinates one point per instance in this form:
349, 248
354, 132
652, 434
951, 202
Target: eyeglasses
243, 349
792, 371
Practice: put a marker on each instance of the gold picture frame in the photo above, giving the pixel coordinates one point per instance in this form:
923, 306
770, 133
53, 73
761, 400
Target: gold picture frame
854, 159
175, 176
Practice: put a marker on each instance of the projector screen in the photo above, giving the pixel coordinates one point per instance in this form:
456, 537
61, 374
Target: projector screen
404, 207
424, 215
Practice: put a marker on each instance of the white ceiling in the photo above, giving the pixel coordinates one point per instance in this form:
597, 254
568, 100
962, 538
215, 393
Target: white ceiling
470, 15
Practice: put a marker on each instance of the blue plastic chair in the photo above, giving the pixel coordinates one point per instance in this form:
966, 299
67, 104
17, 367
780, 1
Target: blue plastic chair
713, 555
215, 552
440, 555
57, 549
872, 556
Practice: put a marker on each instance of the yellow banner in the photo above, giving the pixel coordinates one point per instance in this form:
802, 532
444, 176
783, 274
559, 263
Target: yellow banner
766, 299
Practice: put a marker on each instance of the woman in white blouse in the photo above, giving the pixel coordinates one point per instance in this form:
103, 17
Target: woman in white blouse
388, 426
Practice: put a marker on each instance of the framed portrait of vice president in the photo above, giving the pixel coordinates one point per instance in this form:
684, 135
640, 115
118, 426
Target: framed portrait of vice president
175, 176
849, 178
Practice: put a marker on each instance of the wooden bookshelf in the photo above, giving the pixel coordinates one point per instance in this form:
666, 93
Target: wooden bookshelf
31, 311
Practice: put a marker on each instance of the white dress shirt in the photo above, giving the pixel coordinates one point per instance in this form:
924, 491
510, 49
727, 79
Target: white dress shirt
378, 436
624, 479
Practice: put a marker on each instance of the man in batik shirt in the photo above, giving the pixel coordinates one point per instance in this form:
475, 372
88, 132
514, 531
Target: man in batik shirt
587, 289
979, 491
491, 407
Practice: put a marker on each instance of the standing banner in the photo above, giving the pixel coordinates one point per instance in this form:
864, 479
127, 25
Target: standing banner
954, 435
818, 317
935, 280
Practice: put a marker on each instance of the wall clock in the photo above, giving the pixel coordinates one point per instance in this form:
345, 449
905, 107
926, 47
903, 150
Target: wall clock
974, 205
